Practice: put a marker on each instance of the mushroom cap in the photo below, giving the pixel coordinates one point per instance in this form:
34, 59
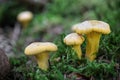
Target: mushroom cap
91, 25
39, 47
25, 16
73, 39
82, 28
100, 26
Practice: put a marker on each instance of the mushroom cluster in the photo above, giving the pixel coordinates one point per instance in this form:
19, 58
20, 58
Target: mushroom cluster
92, 29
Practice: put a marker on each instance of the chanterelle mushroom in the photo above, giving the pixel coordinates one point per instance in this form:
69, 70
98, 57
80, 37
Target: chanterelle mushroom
93, 30
75, 40
24, 18
41, 51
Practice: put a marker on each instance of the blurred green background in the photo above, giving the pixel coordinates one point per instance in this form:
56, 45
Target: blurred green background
61, 12
54, 17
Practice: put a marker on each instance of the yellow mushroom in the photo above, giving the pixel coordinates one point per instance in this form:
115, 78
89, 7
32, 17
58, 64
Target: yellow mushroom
93, 30
41, 51
75, 40
24, 18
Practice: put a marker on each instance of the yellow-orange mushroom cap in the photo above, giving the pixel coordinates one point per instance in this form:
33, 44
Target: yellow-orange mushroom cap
40, 50
25, 17
82, 28
93, 30
100, 26
39, 47
75, 40
91, 25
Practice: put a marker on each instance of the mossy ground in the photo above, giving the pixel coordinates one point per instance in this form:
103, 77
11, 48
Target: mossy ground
64, 62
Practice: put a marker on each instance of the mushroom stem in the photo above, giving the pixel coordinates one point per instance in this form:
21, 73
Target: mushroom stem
42, 60
25, 24
92, 46
77, 49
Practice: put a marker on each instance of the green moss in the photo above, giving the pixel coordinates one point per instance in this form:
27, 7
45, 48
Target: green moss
100, 69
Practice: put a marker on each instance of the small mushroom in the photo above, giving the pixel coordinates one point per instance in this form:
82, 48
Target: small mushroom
75, 40
41, 51
93, 30
24, 18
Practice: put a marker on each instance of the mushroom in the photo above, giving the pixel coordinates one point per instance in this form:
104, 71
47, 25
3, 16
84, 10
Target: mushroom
75, 40
41, 51
24, 18
93, 30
